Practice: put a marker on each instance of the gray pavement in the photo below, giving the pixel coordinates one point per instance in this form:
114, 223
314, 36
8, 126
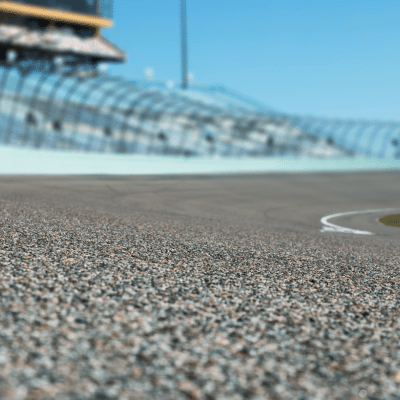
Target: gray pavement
270, 201
207, 287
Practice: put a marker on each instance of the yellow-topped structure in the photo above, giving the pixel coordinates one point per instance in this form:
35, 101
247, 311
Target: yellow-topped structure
59, 28
8, 9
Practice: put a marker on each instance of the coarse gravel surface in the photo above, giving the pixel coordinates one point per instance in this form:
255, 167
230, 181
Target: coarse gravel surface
108, 293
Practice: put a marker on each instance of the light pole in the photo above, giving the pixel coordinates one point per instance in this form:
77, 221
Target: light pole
184, 51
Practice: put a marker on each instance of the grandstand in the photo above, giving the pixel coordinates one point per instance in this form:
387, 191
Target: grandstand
102, 113
108, 114
54, 94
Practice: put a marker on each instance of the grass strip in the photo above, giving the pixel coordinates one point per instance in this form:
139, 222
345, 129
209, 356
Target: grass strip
392, 220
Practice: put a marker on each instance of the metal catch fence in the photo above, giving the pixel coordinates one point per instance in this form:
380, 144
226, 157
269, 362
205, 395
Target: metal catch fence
97, 112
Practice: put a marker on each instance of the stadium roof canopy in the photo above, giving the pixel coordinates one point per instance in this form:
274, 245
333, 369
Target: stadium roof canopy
57, 28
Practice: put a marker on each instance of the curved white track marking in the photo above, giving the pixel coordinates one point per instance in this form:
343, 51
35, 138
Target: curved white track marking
329, 227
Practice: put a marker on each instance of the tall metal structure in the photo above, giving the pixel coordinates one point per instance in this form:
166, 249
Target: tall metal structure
62, 36
184, 49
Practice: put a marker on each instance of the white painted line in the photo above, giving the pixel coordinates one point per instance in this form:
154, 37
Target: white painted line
329, 227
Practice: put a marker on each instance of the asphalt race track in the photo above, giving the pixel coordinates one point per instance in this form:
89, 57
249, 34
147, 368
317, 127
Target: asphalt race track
271, 201
199, 287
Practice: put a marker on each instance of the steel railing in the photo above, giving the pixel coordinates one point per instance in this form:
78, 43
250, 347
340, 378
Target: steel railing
103, 113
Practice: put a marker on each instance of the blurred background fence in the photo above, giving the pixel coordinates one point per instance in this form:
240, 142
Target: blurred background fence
96, 112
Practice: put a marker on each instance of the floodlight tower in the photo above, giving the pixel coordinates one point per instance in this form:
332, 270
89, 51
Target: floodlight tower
184, 51
64, 35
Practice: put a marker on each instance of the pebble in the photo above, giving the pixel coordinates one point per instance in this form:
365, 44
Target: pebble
100, 306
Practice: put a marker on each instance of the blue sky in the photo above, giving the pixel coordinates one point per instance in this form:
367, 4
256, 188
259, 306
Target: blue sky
324, 58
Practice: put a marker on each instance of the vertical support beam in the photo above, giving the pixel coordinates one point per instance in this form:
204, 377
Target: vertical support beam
184, 51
